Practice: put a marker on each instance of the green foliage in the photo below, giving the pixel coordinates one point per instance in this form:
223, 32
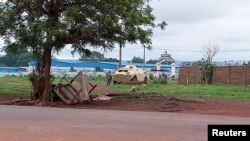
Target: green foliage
34, 79
207, 68
98, 68
98, 80
14, 85
155, 61
137, 60
197, 63
151, 61
14, 60
166, 62
151, 76
47, 26
14, 90
72, 69
92, 56
110, 60
21, 85
210, 50
52, 24
210, 91
96, 56
186, 64
8, 61
161, 81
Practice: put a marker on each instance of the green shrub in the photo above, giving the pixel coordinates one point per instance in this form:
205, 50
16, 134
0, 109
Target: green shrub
98, 68
151, 76
160, 81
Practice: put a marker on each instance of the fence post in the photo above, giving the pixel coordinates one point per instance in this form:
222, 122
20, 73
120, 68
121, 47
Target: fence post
245, 75
247, 82
229, 75
188, 77
213, 77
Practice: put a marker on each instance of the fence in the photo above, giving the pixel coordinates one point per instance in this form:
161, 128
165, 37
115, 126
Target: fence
235, 75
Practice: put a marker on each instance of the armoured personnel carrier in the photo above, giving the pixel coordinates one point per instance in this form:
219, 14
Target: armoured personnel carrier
130, 75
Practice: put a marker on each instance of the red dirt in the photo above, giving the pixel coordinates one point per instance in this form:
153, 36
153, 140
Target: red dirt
154, 102
103, 89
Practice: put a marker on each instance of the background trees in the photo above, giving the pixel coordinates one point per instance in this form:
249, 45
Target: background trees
14, 60
154, 61
96, 56
137, 60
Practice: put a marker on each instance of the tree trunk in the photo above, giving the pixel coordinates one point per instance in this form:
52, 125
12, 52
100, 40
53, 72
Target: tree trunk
46, 74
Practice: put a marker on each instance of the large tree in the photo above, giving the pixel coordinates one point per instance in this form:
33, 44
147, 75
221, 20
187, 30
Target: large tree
46, 26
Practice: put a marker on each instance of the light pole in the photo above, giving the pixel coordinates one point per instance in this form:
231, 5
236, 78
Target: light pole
144, 59
120, 56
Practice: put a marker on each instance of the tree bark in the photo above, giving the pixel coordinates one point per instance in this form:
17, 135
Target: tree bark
46, 74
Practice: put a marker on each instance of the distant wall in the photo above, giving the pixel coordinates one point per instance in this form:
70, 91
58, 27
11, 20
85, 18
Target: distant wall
235, 75
190, 75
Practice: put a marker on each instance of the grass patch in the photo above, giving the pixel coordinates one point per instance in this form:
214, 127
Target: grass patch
122, 87
159, 81
15, 85
14, 90
12, 80
21, 85
97, 80
211, 91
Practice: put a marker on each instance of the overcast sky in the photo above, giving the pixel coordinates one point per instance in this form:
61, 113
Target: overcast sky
191, 25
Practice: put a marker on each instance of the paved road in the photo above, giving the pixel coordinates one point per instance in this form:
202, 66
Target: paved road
19, 123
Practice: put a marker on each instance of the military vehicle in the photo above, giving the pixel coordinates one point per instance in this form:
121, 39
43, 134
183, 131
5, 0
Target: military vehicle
130, 75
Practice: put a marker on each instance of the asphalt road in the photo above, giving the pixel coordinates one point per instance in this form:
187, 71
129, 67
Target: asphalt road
20, 123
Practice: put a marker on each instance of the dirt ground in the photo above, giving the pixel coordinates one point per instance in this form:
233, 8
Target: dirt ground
148, 102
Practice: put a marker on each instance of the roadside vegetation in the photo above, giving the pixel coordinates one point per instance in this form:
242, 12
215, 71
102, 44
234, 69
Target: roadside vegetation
15, 85
21, 85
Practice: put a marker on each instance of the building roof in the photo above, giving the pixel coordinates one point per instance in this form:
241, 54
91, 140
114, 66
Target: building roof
93, 64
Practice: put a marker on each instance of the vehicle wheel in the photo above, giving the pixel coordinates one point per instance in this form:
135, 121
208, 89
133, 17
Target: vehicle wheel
134, 78
114, 82
145, 80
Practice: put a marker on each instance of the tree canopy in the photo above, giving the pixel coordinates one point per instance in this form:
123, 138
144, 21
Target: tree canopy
96, 56
14, 60
38, 24
137, 60
46, 26
154, 61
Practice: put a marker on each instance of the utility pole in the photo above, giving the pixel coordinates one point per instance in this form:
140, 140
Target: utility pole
144, 60
120, 56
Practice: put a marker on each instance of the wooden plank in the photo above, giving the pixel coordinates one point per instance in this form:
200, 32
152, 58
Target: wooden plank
63, 98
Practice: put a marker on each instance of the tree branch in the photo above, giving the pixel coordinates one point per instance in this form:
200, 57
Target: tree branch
104, 16
27, 7
63, 6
